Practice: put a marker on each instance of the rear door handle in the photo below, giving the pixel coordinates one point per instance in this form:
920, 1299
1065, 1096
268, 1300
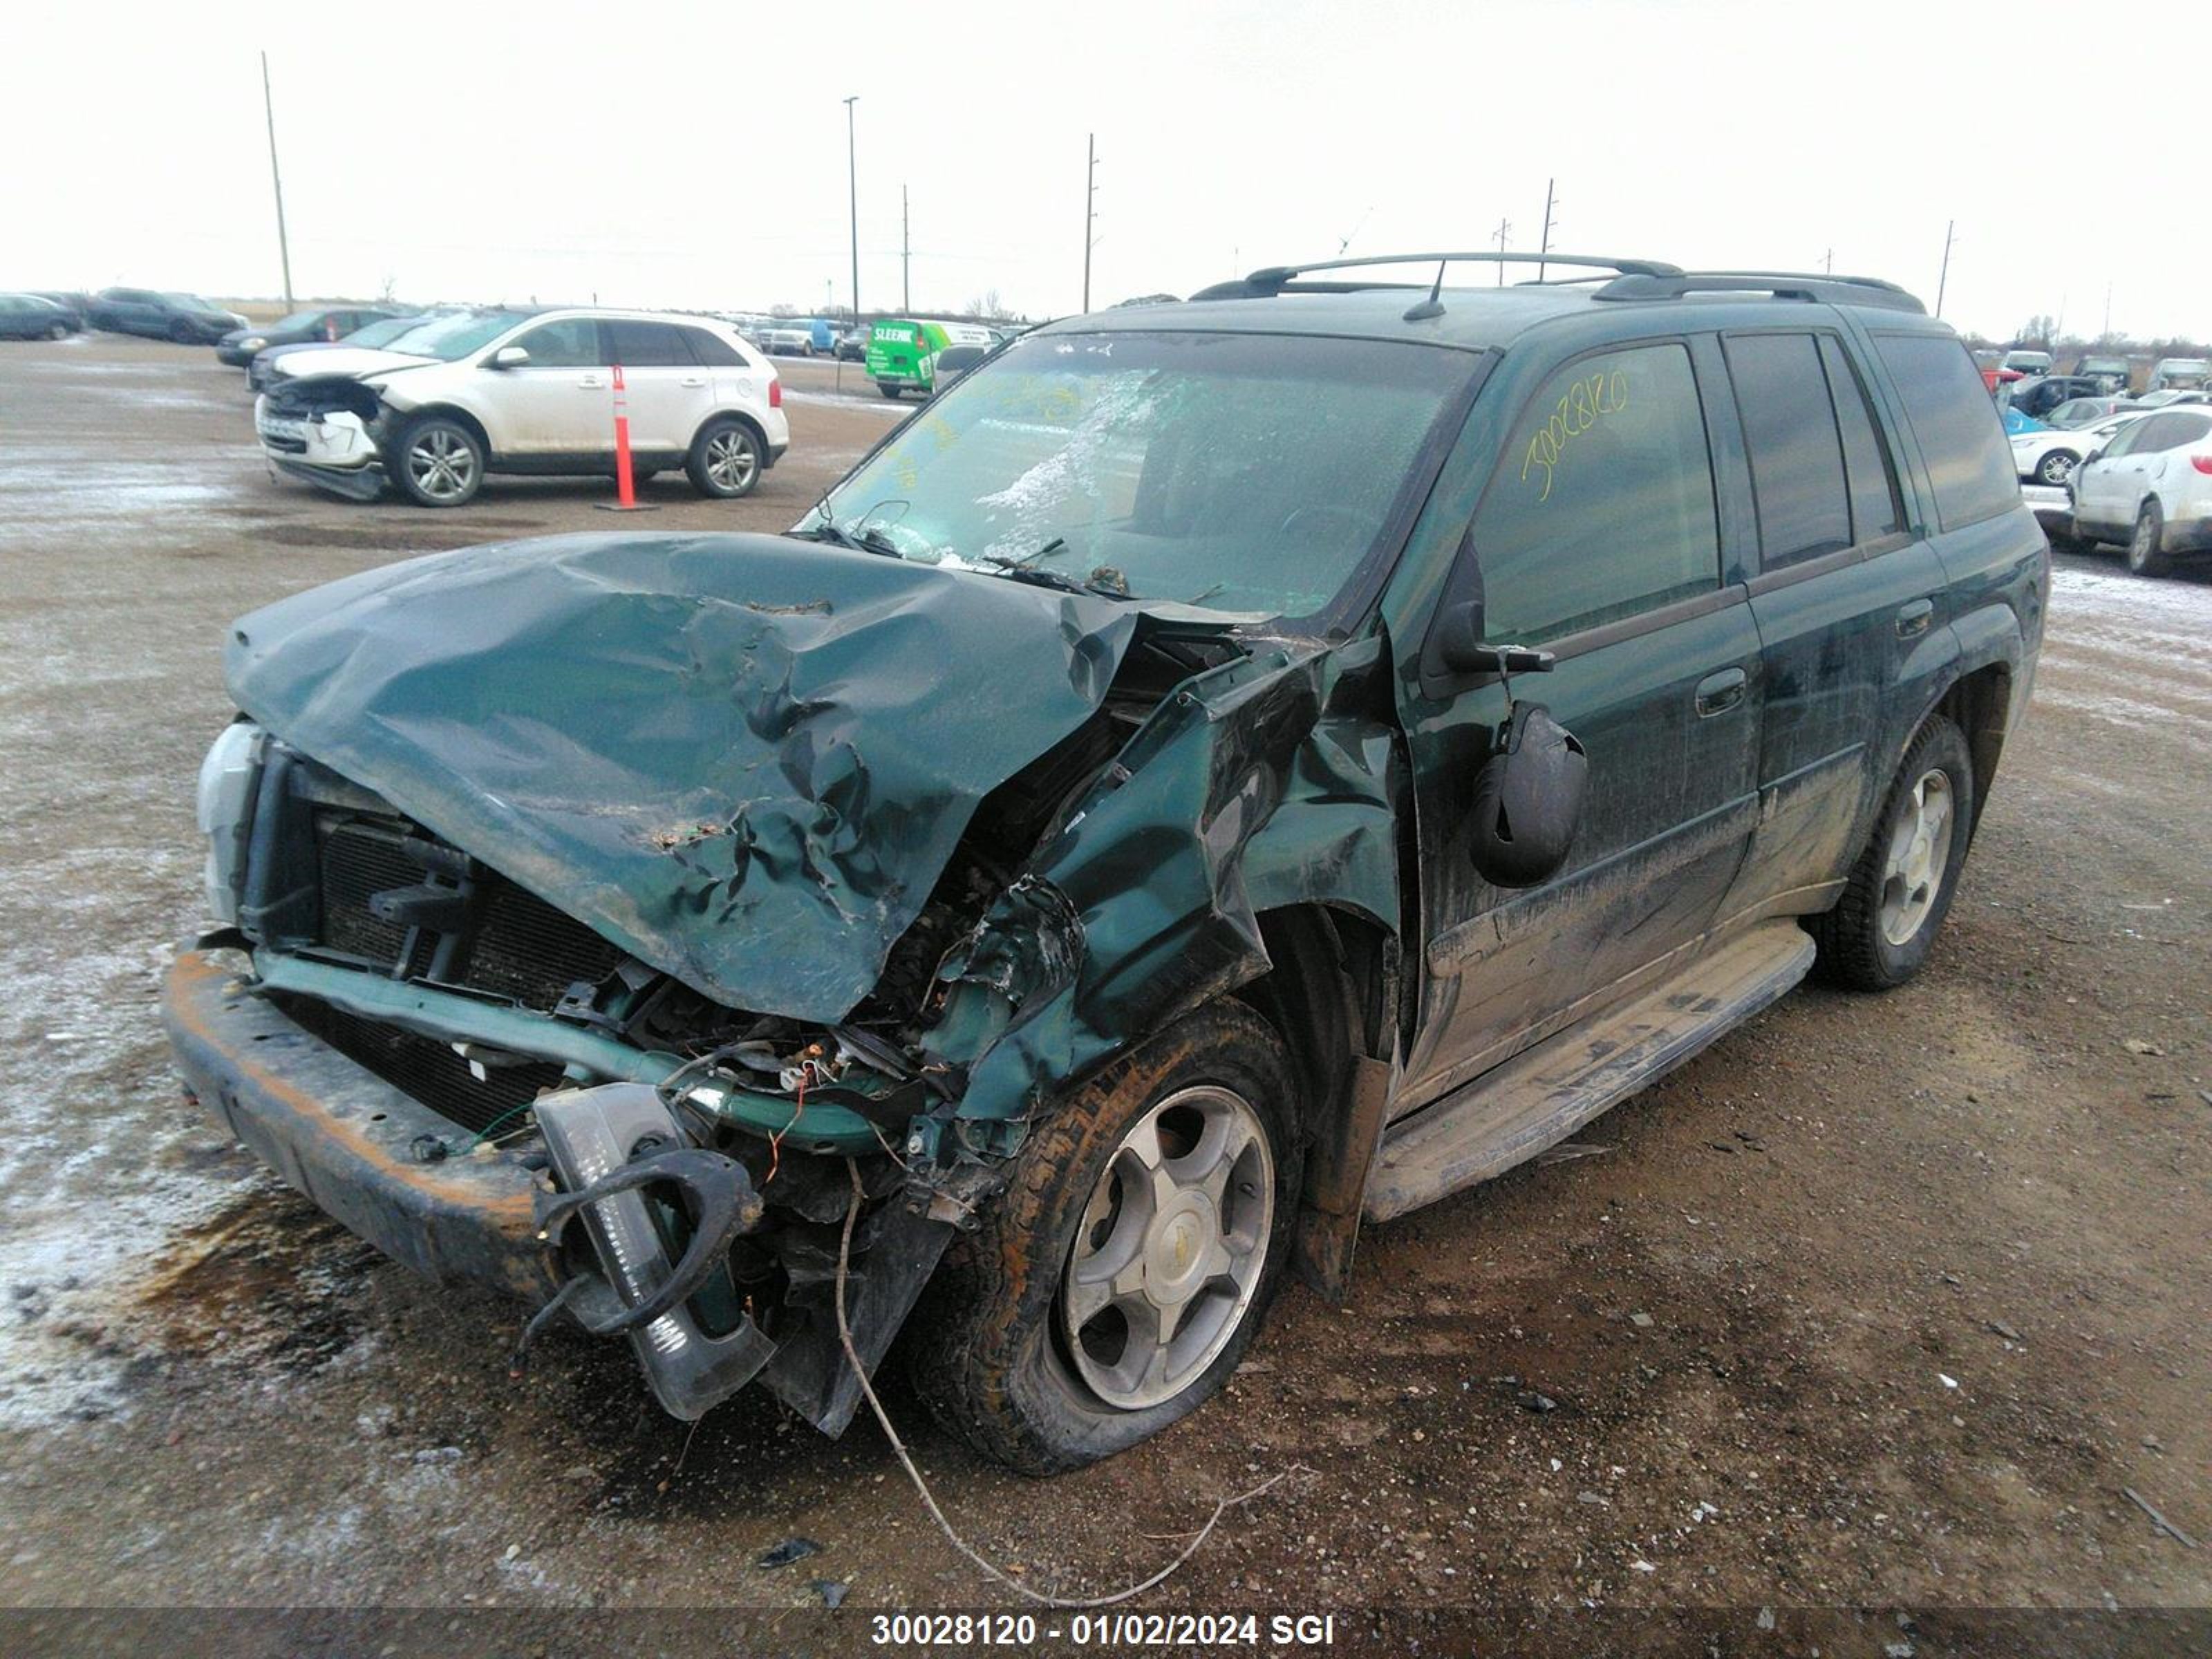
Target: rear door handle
692, 379
1912, 619
592, 382
1718, 693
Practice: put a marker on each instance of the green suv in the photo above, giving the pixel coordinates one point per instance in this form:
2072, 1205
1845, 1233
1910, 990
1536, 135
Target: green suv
1231, 770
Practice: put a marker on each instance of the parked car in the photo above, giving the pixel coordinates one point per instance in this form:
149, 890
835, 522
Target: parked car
2086, 411
2150, 488
853, 346
902, 351
2036, 398
1233, 770
954, 361
2051, 455
2179, 374
531, 391
184, 317
788, 338
76, 304
241, 346
2026, 362
2164, 399
2111, 373
29, 317
321, 357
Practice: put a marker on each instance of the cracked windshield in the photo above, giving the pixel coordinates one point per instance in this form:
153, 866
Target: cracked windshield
1247, 473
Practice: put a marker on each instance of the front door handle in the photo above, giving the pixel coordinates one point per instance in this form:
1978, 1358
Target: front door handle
692, 379
1912, 619
1718, 693
592, 382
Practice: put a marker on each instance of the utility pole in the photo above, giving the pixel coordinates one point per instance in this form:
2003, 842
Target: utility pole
1943, 281
283, 243
1498, 236
1545, 245
852, 196
1828, 262
905, 255
2108, 313
1090, 210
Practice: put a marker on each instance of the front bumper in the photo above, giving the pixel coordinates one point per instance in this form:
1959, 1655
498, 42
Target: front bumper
345, 1138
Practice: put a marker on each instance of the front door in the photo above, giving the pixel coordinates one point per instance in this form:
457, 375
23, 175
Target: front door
560, 403
1596, 539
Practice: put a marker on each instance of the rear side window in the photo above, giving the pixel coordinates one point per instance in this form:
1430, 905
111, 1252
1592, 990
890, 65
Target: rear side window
1961, 439
2160, 432
1874, 510
1797, 455
646, 345
1602, 505
712, 350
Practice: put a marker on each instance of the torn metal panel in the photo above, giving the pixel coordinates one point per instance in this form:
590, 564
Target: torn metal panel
746, 760
1266, 782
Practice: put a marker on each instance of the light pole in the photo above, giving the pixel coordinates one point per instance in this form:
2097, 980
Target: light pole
283, 244
852, 188
1090, 210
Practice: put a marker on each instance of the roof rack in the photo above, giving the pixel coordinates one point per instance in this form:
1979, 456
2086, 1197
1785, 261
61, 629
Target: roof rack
1271, 280
1781, 285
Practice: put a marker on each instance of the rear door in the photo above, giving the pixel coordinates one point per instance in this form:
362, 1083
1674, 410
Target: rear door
561, 403
665, 389
1598, 539
1843, 595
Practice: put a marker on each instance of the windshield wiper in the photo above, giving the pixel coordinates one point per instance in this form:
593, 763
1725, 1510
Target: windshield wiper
1106, 582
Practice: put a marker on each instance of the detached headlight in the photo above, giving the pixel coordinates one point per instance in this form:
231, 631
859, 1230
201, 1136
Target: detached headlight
228, 777
252, 343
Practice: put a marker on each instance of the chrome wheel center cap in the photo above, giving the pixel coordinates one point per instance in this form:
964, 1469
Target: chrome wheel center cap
1177, 1254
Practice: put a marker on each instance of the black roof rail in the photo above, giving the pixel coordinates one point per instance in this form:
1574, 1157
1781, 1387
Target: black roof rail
1781, 285
1271, 280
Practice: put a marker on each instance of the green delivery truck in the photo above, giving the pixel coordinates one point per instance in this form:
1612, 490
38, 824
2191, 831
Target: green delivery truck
902, 351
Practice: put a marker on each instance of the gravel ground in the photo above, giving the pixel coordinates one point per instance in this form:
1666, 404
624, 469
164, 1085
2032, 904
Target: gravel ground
1882, 1301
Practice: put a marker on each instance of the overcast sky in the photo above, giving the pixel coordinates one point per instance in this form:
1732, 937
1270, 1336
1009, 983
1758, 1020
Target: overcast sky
696, 156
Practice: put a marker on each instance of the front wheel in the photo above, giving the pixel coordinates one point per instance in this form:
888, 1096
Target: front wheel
181, 332
438, 463
1114, 1285
58, 331
2146, 554
1899, 892
725, 462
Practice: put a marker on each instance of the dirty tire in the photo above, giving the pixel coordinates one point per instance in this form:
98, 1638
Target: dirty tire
2146, 554
986, 1347
58, 331
436, 462
889, 391
181, 332
726, 459
1855, 949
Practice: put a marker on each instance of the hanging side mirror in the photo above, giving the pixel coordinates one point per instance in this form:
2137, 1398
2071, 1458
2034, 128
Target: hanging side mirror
1528, 800
1459, 646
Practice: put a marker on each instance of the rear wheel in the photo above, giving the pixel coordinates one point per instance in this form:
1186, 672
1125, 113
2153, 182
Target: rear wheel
181, 332
1113, 1286
890, 390
2146, 554
725, 462
2056, 468
437, 462
1899, 892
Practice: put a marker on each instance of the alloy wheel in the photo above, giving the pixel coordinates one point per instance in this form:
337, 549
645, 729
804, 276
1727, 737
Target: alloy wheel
731, 461
1171, 1248
1919, 853
442, 465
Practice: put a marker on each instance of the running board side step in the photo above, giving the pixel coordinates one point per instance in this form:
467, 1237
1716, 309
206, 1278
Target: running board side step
1539, 1098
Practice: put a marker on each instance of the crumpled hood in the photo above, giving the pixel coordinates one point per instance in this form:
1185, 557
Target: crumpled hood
744, 758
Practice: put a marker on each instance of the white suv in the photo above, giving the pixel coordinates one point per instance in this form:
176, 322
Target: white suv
2150, 488
512, 391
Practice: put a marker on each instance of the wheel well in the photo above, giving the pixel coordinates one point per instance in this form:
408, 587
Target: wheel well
1327, 994
760, 436
1979, 703
446, 412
